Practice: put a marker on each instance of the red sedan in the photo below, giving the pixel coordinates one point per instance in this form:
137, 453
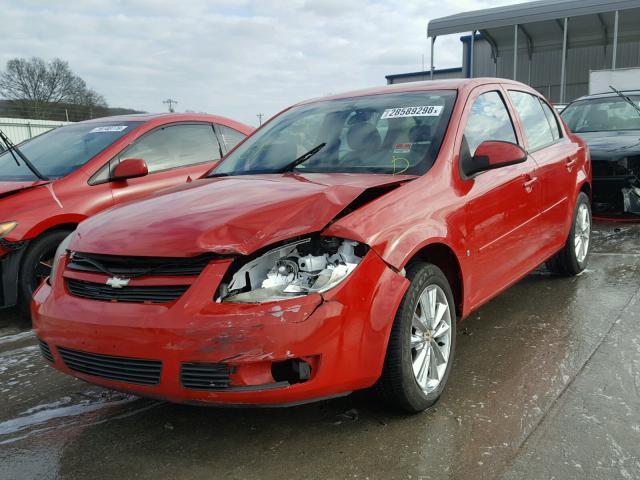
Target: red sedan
333, 250
73, 172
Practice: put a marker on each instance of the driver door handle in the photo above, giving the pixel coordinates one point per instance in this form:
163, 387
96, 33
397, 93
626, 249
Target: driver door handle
528, 185
571, 162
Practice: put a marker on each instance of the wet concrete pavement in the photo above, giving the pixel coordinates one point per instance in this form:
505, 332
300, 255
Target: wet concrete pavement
546, 384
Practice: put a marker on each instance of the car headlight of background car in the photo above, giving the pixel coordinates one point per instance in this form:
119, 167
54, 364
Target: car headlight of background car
6, 227
313, 264
62, 248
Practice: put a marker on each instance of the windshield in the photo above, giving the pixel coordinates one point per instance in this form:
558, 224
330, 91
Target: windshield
606, 114
59, 152
397, 133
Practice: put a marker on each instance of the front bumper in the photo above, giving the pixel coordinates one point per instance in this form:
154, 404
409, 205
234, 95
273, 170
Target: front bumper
613, 186
341, 335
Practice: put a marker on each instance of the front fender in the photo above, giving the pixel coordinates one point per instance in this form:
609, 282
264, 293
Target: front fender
52, 222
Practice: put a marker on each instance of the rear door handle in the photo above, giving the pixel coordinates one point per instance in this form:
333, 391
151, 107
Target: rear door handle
528, 185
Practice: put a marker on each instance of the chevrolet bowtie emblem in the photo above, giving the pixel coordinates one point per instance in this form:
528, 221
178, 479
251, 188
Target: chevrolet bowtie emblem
118, 282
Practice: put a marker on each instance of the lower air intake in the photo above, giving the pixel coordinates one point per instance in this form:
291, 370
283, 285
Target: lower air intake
205, 376
122, 369
45, 350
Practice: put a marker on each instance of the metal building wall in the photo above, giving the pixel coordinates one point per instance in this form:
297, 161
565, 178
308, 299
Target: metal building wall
21, 129
544, 72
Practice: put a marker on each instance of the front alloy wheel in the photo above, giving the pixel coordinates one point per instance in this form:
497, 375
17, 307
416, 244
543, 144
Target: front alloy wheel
36, 266
431, 338
421, 343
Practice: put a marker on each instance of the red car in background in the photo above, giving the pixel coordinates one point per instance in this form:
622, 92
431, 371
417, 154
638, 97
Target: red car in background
84, 168
334, 249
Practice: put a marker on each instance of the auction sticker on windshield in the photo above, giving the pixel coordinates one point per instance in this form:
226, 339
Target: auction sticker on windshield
421, 111
402, 148
109, 128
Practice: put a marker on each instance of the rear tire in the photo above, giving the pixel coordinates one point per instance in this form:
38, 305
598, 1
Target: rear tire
421, 343
36, 266
574, 256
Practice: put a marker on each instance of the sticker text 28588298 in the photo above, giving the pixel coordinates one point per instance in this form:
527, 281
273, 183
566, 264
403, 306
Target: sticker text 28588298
421, 111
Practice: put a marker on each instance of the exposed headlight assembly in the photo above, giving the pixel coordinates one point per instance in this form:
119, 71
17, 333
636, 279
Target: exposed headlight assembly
313, 264
60, 252
6, 227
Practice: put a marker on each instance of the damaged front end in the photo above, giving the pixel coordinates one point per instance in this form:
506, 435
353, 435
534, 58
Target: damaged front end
312, 264
616, 186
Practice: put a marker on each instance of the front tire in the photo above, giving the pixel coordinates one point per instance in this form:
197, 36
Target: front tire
421, 343
36, 266
573, 257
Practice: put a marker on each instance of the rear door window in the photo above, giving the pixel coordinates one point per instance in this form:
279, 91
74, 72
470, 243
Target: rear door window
175, 146
534, 121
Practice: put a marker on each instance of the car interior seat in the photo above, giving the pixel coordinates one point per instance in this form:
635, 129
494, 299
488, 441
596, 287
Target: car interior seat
364, 140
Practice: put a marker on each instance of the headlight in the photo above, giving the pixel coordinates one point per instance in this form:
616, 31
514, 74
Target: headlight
60, 252
313, 264
6, 227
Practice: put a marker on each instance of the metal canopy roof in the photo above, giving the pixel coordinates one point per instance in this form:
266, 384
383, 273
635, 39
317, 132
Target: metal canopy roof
545, 25
539, 11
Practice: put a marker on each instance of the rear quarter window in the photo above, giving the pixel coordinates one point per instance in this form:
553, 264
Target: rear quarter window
230, 137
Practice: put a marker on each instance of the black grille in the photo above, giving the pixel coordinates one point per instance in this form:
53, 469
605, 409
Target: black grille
133, 294
138, 266
130, 370
205, 376
45, 350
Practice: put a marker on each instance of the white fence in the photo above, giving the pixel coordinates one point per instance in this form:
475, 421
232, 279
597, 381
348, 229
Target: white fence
21, 129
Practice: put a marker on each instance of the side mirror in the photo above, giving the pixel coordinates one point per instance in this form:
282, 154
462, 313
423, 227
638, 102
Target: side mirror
130, 168
493, 154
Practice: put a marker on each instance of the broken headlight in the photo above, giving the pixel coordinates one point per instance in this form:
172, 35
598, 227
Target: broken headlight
313, 264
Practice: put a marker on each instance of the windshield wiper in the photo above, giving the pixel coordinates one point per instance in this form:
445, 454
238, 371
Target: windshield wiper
302, 158
626, 99
15, 150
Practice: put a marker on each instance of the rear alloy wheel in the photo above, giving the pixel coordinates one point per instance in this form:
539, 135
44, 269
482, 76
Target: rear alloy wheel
422, 342
582, 233
573, 257
36, 266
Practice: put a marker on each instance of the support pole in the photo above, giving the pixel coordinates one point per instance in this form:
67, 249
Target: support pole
615, 41
563, 73
515, 52
433, 40
473, 34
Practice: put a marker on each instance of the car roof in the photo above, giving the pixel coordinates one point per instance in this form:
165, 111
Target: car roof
448, 84
164, 118
607, 94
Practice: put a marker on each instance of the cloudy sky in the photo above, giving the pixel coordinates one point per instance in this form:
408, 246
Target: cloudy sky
235, 58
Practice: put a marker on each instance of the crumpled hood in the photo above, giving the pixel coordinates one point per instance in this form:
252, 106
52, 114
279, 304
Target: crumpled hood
7, 188
612, 145
228, 215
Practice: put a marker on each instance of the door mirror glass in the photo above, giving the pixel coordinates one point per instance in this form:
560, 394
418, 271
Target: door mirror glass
494, 154
130, 168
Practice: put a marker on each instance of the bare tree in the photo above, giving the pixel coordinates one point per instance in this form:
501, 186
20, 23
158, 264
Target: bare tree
39, 85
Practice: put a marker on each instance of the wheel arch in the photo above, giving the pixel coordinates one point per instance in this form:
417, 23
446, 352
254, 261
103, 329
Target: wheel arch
443, 256
61, 222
